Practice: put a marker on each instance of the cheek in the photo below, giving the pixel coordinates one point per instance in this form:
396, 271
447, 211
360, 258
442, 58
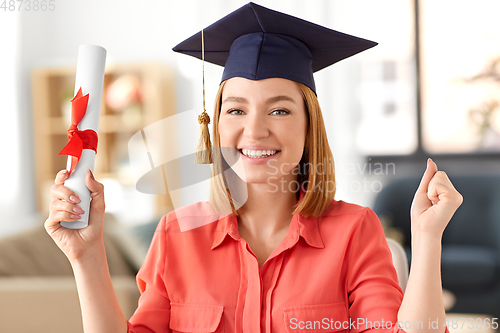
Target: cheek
226, 136
299, 141
296, 134
294, 137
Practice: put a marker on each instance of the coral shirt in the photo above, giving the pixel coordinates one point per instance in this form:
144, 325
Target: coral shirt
329, 274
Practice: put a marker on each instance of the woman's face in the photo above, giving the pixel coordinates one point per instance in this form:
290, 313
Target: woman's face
266, 121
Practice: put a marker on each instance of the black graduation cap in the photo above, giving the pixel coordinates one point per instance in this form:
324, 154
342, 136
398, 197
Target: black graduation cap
256, 43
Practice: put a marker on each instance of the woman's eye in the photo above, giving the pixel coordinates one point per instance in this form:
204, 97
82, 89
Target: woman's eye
235, 112
280, 112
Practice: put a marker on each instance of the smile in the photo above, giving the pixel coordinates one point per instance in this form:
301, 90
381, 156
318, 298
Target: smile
258, 153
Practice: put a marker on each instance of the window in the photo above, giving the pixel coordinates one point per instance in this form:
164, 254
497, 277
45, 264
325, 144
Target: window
458, 108
460, 71
387, 90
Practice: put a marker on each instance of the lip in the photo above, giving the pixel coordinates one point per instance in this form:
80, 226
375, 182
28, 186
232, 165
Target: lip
257, 147
257, 161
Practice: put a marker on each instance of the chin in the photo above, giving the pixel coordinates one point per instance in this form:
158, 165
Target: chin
259, 177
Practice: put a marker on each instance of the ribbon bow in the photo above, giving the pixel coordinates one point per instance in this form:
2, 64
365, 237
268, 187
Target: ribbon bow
78, 140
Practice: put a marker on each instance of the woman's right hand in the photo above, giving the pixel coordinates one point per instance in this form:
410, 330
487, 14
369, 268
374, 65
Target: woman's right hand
76, 243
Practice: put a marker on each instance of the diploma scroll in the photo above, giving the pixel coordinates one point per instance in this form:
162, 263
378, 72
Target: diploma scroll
90, 79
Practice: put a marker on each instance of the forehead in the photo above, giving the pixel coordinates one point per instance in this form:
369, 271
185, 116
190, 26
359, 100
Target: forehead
261, 89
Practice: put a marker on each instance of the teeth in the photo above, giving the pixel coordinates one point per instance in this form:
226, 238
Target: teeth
258, 153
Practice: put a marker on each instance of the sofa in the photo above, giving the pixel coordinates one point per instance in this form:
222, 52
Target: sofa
37, 287
470, 258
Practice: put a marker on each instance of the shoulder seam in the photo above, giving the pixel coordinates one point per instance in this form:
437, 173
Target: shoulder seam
361, 211
355, 237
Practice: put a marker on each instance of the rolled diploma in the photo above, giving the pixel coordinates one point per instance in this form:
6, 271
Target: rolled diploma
90, 77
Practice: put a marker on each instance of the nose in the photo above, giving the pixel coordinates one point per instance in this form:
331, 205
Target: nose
256, 126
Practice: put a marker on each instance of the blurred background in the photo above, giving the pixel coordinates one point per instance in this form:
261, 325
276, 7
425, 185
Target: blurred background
431, 88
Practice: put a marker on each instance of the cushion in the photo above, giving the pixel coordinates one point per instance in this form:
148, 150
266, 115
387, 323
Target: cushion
32, 252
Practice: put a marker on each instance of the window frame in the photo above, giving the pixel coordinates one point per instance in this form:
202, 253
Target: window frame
420, 154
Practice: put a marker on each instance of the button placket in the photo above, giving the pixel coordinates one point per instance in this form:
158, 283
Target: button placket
240, 305
253, 293
272, 286
252, 308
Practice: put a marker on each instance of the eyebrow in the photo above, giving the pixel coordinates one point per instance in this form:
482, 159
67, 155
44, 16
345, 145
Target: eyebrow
270, 100
235, 99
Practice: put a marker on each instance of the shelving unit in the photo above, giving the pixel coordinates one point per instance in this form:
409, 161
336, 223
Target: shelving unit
53, 88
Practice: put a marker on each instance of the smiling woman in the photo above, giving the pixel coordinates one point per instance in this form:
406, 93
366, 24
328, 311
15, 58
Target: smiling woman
271, 116
279, 261
280, 115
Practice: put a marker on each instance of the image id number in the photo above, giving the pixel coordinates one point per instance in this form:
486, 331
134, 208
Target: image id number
28, 5
470, 323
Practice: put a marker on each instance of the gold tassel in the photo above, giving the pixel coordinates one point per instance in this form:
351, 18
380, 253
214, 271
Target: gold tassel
203, 153
203, 150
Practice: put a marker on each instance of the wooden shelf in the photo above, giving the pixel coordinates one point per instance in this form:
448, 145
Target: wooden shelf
54, 87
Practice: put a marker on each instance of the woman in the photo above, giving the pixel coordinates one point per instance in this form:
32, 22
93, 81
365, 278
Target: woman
289, 258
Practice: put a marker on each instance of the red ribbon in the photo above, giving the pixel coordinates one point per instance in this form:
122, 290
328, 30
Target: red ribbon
78, 140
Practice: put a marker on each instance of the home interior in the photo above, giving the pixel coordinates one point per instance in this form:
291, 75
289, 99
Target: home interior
429, 89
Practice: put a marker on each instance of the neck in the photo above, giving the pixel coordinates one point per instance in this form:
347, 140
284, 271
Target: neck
268, 209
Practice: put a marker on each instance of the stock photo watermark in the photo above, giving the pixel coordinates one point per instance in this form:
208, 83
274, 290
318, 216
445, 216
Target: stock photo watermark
365, 324
28, 5
364, 171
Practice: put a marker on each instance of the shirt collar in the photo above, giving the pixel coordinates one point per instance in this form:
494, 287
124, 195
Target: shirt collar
299, 226
228, 225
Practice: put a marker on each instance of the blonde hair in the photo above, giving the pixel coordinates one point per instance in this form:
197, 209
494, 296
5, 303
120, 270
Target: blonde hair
316, 168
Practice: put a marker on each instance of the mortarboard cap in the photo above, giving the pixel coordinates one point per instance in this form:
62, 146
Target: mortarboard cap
256, 43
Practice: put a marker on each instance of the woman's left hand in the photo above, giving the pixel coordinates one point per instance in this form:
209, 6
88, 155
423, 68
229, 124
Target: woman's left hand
435, 202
